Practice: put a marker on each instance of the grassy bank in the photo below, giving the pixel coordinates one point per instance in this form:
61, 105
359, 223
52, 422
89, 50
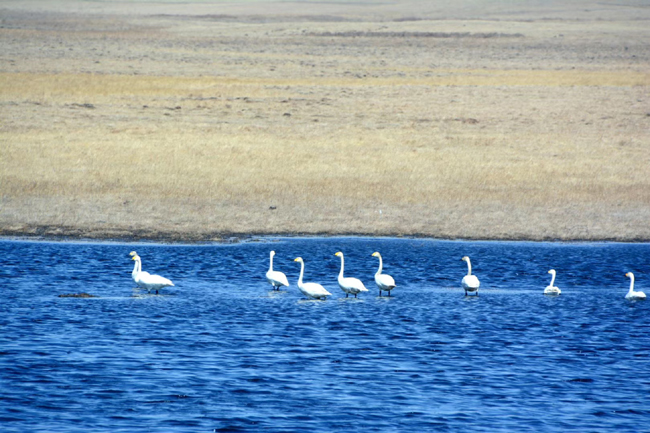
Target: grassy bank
184, 128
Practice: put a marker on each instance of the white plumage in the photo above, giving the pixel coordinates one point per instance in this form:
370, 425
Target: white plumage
276, 278
384, 281
311, 290
631, 294
470, 282
146, 280
551, 289
350, 286
136, 269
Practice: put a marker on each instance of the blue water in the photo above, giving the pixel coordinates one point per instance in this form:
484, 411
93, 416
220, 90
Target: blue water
222, 352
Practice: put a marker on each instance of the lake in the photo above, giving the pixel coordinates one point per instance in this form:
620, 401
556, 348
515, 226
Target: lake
222, 351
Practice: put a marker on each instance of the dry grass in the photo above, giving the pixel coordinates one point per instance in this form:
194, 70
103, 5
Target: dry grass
385, 136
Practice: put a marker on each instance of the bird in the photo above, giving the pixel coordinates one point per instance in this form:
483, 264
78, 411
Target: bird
136, 270
276, 278
631, 294
311, 290
383, 281
550, 289
470, 283
350, 286
145, 279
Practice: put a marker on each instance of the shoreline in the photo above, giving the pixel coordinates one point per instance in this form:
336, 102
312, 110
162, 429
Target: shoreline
71, 234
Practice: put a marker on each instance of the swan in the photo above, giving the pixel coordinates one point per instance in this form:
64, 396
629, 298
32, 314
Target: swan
550, 289
311, 290
351, 286
470, 283
383, 281
145, 279
136, 270
631, 294
276, 278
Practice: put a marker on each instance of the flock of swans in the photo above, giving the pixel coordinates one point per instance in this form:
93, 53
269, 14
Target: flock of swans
350, 286
353, 286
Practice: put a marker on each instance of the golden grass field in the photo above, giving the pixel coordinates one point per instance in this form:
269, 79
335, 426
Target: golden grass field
201, 120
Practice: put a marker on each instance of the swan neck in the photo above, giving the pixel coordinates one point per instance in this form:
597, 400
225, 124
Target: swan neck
631, 285
342, 266
469, 267
552, 279
271, 264
137, 267
381, 266
302, 271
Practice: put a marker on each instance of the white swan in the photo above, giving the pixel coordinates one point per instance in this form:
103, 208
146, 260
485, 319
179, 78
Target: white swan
350, 286
384, 281
145, 279
276, 278
311, 290
550, 289
470, 283
137, 270
631, 294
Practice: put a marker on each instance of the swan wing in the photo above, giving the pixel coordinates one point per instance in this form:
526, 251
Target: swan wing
552, 290
470, 282
353, 285
384, 281
140, 278
314, 290
154, 280
277, 278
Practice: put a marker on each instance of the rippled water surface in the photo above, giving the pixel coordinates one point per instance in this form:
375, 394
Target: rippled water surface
222, 352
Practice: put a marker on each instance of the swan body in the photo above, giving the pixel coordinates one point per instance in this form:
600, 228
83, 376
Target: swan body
470, 282
631, 294
350, 286
384, 281
551, 289
146, 280
311, 290
276, 278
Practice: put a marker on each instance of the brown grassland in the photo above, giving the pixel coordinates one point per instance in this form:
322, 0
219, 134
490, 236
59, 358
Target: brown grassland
201, 120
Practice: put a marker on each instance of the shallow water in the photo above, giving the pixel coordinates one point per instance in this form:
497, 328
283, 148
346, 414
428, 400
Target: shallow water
223, 352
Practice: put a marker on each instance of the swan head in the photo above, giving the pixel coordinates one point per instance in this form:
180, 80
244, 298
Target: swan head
272, 253
465, 259
135, 257
552, 272
298, 259
630, 275
376, 254
133, 253
339, 254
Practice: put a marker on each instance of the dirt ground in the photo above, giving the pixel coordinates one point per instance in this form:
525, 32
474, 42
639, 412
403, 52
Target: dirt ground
196, 121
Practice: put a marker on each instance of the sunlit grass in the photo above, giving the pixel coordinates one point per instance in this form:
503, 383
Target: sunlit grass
110, 86
199, 126
227, 178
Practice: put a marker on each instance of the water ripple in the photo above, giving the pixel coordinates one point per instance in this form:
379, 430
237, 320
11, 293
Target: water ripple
221, 351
